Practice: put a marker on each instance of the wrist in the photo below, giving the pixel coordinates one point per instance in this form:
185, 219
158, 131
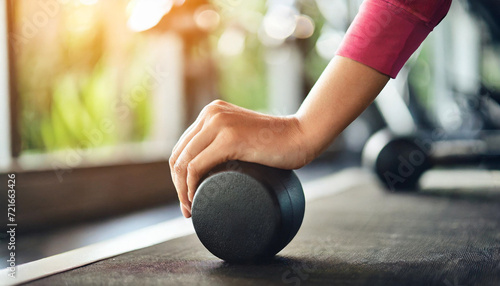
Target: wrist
304, 145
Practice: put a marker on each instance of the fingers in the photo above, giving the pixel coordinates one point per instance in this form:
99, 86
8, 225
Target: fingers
208, 112
183, 198
183, 141
176, 167
215, 137
185, 212
199, 142
204, 162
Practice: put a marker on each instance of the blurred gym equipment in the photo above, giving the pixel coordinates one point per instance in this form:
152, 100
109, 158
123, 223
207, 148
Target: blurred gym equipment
461, 127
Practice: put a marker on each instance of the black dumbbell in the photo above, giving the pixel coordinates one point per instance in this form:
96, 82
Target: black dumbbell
399, 162
245, 212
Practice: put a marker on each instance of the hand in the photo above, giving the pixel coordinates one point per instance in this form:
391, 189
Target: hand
224, 132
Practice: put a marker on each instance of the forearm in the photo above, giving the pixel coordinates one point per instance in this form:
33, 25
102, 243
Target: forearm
348, 85
343, 91
377, 44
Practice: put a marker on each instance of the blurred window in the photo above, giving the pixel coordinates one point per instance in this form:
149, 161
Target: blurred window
81, 75
95, 109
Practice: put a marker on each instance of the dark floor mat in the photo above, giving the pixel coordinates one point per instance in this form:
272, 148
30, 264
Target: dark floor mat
363, 236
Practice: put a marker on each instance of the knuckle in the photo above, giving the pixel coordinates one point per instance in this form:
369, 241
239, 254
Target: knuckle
171, 161
219, 118
192, 170
218, 102
213, 108
178, 168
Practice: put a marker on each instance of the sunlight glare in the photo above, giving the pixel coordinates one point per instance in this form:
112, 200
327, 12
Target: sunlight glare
148, 13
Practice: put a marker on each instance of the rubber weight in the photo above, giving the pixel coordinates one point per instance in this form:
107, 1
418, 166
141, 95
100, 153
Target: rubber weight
244, 212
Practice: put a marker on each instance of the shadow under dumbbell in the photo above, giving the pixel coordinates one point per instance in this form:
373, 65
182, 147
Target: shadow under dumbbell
309, 271
361, 236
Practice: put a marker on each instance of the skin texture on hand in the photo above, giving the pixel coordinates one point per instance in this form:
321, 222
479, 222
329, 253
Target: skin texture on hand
224, 132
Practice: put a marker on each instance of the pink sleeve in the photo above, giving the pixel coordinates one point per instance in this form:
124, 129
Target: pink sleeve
385, 33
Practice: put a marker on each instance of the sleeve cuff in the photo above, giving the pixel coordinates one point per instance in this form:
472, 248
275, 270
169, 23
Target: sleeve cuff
383, 36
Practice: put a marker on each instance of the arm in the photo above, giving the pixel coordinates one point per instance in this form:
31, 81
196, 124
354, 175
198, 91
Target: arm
382, 37
340, 95
225, 132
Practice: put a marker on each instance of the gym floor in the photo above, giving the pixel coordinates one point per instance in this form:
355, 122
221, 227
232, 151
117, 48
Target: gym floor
36, 246
354, 233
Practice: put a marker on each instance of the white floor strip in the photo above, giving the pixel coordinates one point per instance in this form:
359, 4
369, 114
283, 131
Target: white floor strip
461, 179
162, 232
337, 183
82, 256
